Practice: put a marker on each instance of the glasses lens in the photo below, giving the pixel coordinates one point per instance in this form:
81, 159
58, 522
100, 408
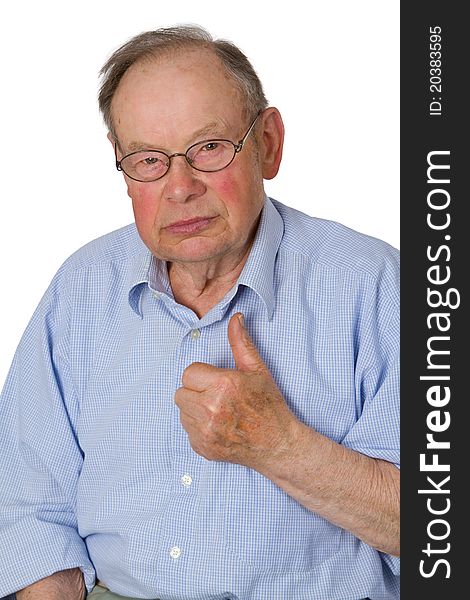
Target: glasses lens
145, 166
212, 155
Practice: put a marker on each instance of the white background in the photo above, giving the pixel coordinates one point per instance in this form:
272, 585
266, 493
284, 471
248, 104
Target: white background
332, 68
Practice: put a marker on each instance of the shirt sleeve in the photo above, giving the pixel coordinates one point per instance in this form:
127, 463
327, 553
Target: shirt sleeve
40, 458
376, 432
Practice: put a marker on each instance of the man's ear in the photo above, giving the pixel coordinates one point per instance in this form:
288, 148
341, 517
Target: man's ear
271, 141
111, 138
116, 150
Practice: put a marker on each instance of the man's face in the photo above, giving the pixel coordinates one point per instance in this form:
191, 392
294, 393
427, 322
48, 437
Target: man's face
188, 216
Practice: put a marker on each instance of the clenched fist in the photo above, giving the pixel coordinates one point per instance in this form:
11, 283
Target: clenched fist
238, 416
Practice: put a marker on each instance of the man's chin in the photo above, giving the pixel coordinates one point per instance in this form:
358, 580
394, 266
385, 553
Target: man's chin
192, 250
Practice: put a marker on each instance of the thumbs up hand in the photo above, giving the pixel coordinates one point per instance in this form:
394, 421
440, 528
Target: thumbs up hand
236, 415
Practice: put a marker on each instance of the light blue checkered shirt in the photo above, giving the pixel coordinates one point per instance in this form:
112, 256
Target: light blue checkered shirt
96, 470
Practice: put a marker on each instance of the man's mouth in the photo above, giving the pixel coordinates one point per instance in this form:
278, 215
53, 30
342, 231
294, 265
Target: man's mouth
189, 225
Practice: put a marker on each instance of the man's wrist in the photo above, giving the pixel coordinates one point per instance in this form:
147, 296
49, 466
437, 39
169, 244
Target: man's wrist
299, 443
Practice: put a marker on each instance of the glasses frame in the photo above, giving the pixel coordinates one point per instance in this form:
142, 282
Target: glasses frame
236, 149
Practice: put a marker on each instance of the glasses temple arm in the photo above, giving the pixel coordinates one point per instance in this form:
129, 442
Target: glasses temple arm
240, 144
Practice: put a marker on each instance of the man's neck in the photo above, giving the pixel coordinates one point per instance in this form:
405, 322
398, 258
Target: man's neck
200, 286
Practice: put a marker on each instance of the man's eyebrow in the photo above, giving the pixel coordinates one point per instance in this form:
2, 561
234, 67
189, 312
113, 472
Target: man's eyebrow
133, 146
210, 129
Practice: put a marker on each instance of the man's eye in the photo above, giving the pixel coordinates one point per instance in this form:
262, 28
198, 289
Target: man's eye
151, 160
210, 146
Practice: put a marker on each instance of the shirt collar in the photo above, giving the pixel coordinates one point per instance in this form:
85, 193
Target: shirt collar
139, 276
257, 274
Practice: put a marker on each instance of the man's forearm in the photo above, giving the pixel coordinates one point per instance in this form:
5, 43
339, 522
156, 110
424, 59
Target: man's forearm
64, 585
351, 490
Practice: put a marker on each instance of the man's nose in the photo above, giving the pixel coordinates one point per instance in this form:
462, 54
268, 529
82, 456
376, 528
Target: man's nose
182, 181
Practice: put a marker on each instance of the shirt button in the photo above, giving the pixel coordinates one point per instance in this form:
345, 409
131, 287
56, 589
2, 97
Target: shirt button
186, 480
175, 552
156, 295
195, 334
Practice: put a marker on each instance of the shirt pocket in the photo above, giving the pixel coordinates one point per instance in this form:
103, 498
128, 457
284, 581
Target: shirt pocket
265, 528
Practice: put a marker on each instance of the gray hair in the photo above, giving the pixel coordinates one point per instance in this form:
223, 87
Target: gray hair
153, 44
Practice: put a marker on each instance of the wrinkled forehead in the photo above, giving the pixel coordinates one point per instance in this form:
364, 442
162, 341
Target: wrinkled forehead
175, 74
174, 90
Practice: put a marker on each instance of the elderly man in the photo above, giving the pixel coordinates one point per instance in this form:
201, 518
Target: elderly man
205, 404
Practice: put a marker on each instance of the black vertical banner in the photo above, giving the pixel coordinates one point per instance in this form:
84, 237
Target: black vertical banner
435, 236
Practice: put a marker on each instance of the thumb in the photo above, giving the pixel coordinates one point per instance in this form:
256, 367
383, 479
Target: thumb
244, 351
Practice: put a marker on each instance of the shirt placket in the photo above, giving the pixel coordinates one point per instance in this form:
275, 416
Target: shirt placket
187, 466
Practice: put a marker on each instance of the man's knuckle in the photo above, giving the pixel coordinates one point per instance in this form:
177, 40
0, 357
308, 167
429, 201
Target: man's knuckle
227, 383
187, 374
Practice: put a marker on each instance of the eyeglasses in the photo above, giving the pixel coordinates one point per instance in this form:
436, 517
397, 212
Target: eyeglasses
207, 156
